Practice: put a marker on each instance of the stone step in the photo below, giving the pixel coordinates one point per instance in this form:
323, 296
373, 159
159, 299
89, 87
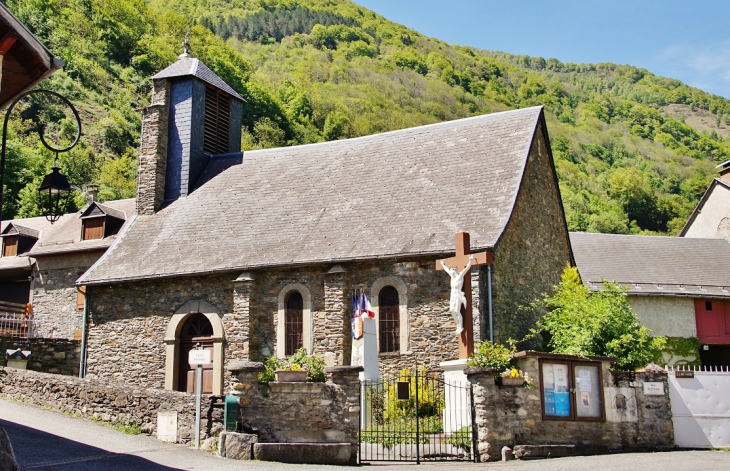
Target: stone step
304, 453
531, 452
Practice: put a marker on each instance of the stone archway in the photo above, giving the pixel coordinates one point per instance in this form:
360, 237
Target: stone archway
172, 342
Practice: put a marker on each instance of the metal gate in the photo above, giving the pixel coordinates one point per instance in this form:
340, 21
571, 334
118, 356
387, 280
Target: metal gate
700, 407
417, 417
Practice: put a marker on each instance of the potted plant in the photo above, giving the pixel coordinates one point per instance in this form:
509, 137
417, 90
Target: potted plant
292, 373
514, 377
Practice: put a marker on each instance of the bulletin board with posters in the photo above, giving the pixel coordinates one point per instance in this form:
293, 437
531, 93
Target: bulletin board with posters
571, 390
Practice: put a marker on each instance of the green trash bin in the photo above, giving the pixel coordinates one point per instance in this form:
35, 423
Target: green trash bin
230, 413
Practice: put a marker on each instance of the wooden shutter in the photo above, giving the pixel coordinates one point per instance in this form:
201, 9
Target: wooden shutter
93, 228
389, 319
293, 322
217, 122
10, 246
80, 296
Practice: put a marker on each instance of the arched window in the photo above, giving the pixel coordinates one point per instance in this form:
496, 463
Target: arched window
293, 322
389, 319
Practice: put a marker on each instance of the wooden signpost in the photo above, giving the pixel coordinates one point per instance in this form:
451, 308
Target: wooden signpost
460, 261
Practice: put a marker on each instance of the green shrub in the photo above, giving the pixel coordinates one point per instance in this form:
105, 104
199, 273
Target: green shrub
491, 355
402, 431
430, 397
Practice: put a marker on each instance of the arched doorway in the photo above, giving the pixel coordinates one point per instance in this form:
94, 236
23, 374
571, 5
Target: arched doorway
197, 331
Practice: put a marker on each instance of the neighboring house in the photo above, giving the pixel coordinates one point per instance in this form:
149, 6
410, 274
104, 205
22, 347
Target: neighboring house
678, 287
258, 253
40, 262
24, 59
711, 217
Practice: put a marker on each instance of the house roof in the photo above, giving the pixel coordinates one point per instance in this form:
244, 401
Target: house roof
400, 193
654, 266
97, 209
192, 66
16, 229
717, 182
27, 61
63, 237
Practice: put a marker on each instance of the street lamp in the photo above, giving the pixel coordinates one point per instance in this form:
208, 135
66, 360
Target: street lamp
55, 185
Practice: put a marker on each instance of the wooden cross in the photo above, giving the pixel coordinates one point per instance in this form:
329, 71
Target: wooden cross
460, 260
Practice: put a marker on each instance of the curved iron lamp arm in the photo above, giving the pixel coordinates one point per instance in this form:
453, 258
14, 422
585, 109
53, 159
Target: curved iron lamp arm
40, 133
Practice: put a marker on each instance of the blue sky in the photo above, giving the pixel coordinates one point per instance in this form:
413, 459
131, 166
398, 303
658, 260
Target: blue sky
686, 40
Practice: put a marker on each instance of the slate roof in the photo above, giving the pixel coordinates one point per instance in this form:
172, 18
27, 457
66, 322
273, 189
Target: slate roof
399, 193
64, 236
655, 266
187, 65
104, 209
13, 229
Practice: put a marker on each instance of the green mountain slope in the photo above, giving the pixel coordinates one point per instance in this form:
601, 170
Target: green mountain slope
633, 151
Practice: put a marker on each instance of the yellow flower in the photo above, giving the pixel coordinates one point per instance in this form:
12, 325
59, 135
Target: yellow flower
295, 367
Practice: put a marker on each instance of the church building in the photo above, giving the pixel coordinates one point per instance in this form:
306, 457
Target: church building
257, 253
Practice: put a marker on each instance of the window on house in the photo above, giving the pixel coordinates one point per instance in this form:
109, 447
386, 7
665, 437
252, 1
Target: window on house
708, 305
93, 228
10, 246
293, 322
217, 122
571, 390
389, 319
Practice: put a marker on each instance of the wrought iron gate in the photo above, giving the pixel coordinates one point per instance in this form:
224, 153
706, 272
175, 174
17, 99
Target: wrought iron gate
417, 417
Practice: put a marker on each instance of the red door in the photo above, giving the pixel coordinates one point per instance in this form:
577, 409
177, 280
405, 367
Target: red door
713, 321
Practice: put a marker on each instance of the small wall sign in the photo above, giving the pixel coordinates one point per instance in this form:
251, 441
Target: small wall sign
653, 389
684, 374
199, 357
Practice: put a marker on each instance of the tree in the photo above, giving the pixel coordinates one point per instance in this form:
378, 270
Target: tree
595, 323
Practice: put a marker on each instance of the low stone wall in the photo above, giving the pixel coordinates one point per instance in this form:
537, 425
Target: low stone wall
60, 356
109, 402
300, 412
510, 416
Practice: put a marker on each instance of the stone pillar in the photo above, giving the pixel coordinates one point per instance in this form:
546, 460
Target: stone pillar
655, 429
238, 332
247, 374
485, 390
153, 150
347, 378
333, 339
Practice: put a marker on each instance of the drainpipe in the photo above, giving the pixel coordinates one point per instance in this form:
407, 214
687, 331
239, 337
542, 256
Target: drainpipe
82, 361
489, 302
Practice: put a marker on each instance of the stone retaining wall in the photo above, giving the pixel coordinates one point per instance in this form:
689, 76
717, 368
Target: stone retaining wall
300, 412
510, 416
58, 356
109, 402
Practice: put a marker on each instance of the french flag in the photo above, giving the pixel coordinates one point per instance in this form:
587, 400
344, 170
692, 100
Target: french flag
366, 310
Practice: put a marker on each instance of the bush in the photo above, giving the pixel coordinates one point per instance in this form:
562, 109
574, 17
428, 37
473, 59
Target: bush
595, 323
491, 355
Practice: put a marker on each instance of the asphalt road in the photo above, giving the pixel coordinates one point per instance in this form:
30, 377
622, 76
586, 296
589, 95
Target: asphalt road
46, 440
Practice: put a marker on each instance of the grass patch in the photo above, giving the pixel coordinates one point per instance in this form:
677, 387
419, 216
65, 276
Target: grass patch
461, 438
402, 431
130, 428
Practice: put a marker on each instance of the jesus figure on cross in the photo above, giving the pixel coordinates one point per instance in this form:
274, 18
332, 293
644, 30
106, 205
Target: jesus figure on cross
458, 298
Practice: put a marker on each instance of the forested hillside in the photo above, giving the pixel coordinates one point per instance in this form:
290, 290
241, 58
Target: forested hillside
634, 151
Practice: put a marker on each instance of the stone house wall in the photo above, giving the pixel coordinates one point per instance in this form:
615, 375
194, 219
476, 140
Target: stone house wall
533, 250
510, 416
59, 356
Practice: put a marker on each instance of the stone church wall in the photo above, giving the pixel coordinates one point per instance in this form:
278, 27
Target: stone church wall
129, 320
54, 303
534, 248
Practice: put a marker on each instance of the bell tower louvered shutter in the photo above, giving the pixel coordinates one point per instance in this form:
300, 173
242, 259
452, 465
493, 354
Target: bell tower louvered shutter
217, 121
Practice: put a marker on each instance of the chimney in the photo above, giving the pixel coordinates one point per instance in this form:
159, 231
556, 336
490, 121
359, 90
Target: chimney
724, 170
153, 149
193, 115
92, 193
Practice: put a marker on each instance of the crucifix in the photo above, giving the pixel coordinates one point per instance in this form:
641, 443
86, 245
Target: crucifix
459, 269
